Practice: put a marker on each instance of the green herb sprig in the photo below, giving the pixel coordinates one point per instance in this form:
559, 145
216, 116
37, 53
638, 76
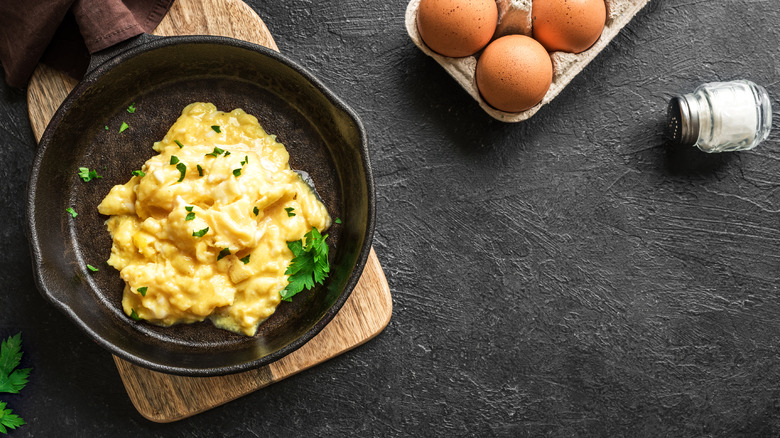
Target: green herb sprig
309, 265
12, 380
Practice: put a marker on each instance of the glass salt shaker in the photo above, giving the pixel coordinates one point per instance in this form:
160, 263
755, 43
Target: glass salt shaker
721, 116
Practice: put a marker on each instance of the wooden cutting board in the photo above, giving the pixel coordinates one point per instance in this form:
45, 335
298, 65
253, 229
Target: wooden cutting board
164, 397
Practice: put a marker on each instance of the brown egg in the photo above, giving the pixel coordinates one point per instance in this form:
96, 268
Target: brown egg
568, 25
457, 28
514, 73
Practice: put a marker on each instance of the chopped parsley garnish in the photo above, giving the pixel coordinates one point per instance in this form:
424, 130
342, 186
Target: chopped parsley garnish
178, 143
88, 175
190, 215
216, 152
256, 211
174, 159
200, 170
138, 173
200, 233
309, 265
245, 259
123, 127
227, 153
142, 290
246, 160
182, 170
223, 253
216, 128
289, 211
71, 211
92, 268
237, 172
338, 221
131, 108
134, 315
189, 207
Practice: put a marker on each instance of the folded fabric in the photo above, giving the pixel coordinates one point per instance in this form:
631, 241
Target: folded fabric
62, 33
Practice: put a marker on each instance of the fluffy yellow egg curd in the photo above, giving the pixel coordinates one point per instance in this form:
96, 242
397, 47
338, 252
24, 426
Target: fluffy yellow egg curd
201, 230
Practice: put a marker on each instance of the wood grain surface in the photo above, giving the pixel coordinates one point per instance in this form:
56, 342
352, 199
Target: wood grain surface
163, 397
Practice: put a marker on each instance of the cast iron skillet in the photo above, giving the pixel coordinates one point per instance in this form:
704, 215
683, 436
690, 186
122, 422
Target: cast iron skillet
162, 75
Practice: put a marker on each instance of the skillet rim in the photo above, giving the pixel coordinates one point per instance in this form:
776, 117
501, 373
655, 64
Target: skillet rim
92, 77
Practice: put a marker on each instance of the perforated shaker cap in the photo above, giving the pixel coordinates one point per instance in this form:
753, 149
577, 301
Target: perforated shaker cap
683, 118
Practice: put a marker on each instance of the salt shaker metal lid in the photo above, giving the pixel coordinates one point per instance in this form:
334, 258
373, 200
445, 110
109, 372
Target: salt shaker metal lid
683, 128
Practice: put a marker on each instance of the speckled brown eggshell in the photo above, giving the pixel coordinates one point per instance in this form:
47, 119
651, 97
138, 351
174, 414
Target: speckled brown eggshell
568, 25
457, 28
514, 73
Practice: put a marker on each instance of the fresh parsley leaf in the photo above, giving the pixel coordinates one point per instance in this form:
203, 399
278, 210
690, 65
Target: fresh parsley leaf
131, 108
88, 175
246, 160
182, 170
9, 420
245, 259
174, 159
178, 143
200, 170
216, 152
201, 233
71, 211
227, 153
223, 253
123, 127
134, 315
190, 216
142, 290
12, 380
189, 208
216, 129
139, 173
237, 172
289, 211
338, 221
92, 268
309, 265
256, 211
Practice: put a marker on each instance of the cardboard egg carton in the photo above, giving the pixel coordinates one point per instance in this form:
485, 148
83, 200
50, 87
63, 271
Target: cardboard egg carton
514, 16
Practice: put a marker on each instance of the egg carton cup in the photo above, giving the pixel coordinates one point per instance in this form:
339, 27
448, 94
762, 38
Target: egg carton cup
565, 65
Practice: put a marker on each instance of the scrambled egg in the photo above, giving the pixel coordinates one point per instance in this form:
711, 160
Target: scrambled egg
202, 231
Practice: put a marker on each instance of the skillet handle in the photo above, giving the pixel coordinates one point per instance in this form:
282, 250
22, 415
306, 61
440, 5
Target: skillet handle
99, 58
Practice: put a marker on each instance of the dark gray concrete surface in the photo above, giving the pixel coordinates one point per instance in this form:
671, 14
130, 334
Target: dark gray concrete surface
566, 276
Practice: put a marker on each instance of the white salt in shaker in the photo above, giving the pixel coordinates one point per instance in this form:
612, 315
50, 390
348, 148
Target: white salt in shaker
721, 116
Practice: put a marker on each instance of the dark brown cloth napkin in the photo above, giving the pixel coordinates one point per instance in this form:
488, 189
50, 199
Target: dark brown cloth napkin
62, 33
